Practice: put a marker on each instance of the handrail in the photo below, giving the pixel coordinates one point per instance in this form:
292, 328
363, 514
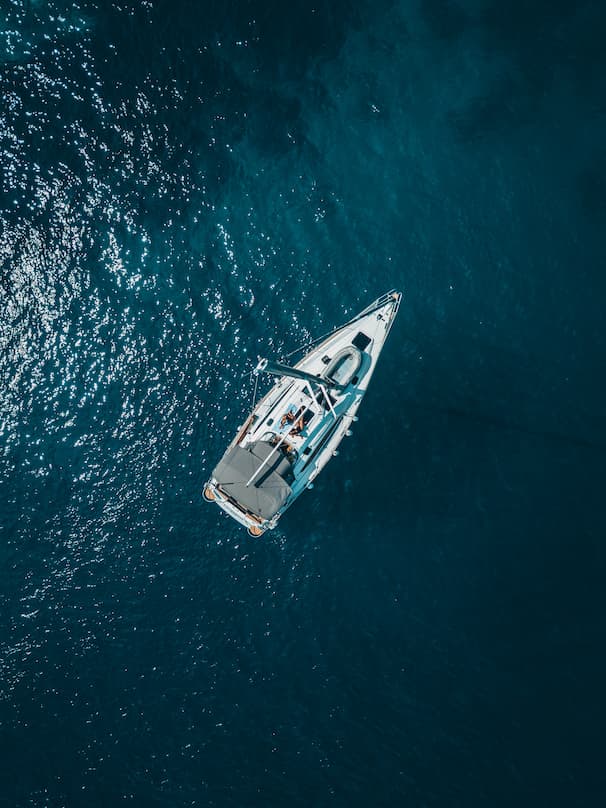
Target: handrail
393, 294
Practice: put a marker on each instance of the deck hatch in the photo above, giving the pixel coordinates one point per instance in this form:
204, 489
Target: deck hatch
360, 341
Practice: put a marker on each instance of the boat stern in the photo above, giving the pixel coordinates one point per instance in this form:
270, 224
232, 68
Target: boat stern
255, 526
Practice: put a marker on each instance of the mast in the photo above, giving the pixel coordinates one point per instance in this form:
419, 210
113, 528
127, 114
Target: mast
278, 369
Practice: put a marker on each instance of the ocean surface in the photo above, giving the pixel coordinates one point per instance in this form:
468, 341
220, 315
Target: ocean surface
186, 185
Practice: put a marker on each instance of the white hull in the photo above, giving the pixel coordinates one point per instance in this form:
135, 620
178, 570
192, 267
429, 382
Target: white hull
322, 421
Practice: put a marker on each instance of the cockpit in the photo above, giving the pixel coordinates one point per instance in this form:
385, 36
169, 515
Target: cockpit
286, 449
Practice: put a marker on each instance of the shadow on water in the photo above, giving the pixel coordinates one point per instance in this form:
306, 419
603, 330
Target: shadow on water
428, 458
429, 451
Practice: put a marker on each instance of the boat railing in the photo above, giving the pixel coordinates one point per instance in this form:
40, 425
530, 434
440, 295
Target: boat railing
393, 294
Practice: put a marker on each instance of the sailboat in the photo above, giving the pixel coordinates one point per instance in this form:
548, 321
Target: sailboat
296, 428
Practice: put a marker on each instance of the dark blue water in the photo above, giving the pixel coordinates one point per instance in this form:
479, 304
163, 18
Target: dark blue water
186, 185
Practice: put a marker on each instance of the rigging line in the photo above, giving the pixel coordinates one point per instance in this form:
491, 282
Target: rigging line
254, 398
309, 344
316, 341
300, 348
320, 339
333, 331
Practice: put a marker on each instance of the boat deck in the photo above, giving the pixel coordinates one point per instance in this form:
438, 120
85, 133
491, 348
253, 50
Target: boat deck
294, 430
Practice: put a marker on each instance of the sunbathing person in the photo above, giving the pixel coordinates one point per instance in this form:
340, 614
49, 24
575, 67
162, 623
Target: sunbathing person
298, 427
288, 417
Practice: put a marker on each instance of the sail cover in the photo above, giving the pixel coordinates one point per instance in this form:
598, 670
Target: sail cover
270, 488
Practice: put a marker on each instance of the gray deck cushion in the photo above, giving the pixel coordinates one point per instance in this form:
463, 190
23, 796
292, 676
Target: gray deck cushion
268, 491
279, 464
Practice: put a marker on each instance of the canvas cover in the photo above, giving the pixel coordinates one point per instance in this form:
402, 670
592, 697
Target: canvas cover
270, 488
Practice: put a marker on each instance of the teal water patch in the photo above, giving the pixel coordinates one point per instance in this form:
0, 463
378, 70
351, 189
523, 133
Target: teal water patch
28, 27
186, 187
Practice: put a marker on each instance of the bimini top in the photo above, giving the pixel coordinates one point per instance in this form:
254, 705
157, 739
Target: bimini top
269, 489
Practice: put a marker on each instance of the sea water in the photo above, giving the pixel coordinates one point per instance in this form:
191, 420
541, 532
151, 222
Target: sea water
188, 185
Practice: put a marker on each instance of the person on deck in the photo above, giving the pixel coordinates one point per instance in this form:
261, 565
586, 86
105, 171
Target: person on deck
288, 417
297, 427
